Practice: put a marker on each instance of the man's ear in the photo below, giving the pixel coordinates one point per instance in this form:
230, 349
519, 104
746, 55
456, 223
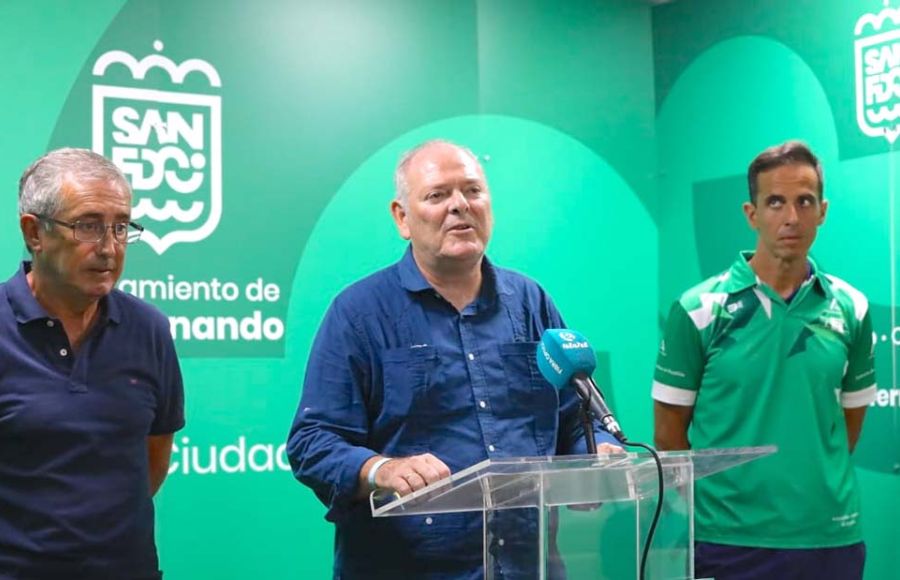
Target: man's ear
823, 209
31, 227
750, 214
399, 214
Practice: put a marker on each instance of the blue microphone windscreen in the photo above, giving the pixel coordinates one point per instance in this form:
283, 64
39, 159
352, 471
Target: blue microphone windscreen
562, 353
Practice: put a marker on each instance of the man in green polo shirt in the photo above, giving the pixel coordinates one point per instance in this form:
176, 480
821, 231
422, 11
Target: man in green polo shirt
772, 351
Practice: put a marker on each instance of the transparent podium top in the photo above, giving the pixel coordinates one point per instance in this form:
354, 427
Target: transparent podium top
561, 480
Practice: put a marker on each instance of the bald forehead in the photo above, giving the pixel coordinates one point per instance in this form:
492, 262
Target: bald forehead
439, 156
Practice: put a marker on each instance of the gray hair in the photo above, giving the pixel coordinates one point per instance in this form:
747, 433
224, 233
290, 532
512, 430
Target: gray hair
401, 185
40, 185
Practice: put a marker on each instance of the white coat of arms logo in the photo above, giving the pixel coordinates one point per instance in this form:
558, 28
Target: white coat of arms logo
877, 59
168, 142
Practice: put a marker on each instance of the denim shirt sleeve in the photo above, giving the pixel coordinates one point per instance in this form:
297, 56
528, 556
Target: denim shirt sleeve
326, 444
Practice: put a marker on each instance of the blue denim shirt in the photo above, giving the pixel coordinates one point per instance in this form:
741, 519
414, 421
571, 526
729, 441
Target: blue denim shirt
397, 370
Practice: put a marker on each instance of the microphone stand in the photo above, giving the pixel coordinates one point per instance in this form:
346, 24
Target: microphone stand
587, 424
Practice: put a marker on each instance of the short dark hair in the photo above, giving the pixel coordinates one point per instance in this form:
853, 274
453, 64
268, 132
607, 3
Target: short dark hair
788, 153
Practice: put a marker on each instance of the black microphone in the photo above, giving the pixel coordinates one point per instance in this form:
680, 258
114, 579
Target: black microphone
589, 392
565, 358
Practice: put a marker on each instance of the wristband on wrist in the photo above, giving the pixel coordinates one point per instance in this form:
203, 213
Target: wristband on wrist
373, 470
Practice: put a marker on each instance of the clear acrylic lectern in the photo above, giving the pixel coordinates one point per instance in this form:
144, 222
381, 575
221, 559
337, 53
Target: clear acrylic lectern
577, 516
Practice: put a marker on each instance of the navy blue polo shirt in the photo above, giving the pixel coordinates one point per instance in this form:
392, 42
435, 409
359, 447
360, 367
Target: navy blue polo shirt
74, 484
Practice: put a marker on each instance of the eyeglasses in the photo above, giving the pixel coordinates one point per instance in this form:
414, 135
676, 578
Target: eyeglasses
94, 231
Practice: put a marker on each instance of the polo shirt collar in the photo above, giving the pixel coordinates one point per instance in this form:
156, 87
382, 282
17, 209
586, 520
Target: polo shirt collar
110, 305
28, 309
741, 276
821, 281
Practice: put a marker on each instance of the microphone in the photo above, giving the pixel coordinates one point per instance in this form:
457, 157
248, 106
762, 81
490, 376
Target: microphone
565, 358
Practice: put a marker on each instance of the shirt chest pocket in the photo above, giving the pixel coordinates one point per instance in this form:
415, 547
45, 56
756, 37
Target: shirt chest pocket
421, 385
522, 390
412, 377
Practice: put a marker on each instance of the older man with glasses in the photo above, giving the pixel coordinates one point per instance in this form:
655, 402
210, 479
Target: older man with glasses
90, 386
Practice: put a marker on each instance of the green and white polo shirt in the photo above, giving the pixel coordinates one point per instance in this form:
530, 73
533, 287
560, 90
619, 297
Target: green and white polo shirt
761, 371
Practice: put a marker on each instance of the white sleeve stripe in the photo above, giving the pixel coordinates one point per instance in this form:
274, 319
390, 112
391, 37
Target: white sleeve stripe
673, 395
859, 398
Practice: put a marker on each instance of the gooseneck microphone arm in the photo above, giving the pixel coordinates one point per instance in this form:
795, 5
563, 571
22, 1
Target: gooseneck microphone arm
593, 399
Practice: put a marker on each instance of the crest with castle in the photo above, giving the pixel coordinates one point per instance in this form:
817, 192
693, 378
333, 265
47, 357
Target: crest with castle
877, 60
166, 139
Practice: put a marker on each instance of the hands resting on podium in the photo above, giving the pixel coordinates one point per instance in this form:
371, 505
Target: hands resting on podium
404, 475
609, 448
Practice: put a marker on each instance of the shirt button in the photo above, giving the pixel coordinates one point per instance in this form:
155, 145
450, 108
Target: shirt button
63, 352
50, 323
482, 404
429, 521
471, 356
501, 541
490, 447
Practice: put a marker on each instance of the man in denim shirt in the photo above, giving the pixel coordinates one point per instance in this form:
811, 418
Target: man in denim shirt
423, 369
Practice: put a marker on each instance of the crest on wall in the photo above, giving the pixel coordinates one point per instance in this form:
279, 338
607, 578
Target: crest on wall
167, 141
877, 63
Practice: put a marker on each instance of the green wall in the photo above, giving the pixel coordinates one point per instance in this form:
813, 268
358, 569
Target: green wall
614, 137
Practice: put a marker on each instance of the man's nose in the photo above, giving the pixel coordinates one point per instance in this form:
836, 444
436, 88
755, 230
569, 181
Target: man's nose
107, 244
458, 202
792, 215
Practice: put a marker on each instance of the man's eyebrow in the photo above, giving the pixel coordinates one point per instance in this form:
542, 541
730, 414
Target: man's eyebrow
99, 216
